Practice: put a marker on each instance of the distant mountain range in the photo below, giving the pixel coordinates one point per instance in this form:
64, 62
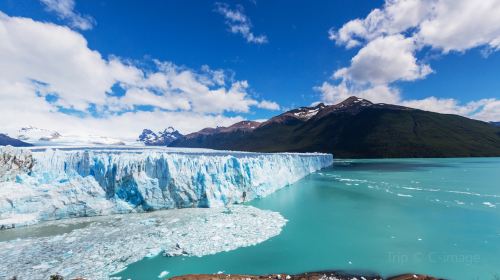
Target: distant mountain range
356, 128
34, 134
44, 137
6, 140
162, 138
495, 123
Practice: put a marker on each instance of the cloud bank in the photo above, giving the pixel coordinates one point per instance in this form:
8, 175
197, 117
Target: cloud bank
50, 78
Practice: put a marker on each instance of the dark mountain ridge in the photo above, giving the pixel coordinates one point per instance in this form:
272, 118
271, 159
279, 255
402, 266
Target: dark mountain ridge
357, 128
239, 126
6, 140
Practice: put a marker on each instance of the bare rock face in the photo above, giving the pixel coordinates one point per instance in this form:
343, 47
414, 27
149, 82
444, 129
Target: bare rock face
14, 161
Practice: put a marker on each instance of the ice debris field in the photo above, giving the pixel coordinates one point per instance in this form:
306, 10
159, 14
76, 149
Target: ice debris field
99, 185
96, 247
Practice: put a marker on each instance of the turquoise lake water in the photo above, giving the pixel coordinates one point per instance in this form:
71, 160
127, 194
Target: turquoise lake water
433, 216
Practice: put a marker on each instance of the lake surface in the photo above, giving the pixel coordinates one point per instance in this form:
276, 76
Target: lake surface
433, 216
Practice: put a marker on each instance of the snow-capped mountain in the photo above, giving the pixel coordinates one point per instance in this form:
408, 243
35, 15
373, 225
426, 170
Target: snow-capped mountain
44, 137
305, 113
162, 138
32, 134
147, 137
298, 115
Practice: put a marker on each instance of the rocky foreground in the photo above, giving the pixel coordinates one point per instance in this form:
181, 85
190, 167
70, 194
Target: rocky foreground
330, 275
326, 275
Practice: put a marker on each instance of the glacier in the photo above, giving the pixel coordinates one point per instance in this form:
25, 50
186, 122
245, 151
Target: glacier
41, 183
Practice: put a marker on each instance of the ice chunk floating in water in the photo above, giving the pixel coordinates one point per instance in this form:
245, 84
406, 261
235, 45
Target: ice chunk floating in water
105, 245
47, 184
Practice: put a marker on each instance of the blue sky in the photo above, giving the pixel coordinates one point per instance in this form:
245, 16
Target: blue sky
302, 44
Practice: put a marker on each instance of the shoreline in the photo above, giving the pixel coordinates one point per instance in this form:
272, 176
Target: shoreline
319, 275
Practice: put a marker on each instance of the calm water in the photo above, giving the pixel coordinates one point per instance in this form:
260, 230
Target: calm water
435, 216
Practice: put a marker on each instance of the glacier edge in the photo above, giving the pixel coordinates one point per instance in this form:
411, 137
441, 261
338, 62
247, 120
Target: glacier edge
51, 184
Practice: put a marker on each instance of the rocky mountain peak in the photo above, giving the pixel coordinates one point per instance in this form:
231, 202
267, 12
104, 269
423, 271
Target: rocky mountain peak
354, 101
161, 138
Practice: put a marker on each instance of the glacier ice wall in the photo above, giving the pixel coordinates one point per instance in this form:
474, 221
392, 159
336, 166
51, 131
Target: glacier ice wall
54, 184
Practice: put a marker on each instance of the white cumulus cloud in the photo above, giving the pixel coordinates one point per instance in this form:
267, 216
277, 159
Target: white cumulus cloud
385, 60
269, 105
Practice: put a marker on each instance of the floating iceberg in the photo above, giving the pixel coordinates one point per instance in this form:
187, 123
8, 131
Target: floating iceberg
45, 184
96, 247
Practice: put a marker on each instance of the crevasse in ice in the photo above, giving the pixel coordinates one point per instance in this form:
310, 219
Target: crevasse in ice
53, 183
